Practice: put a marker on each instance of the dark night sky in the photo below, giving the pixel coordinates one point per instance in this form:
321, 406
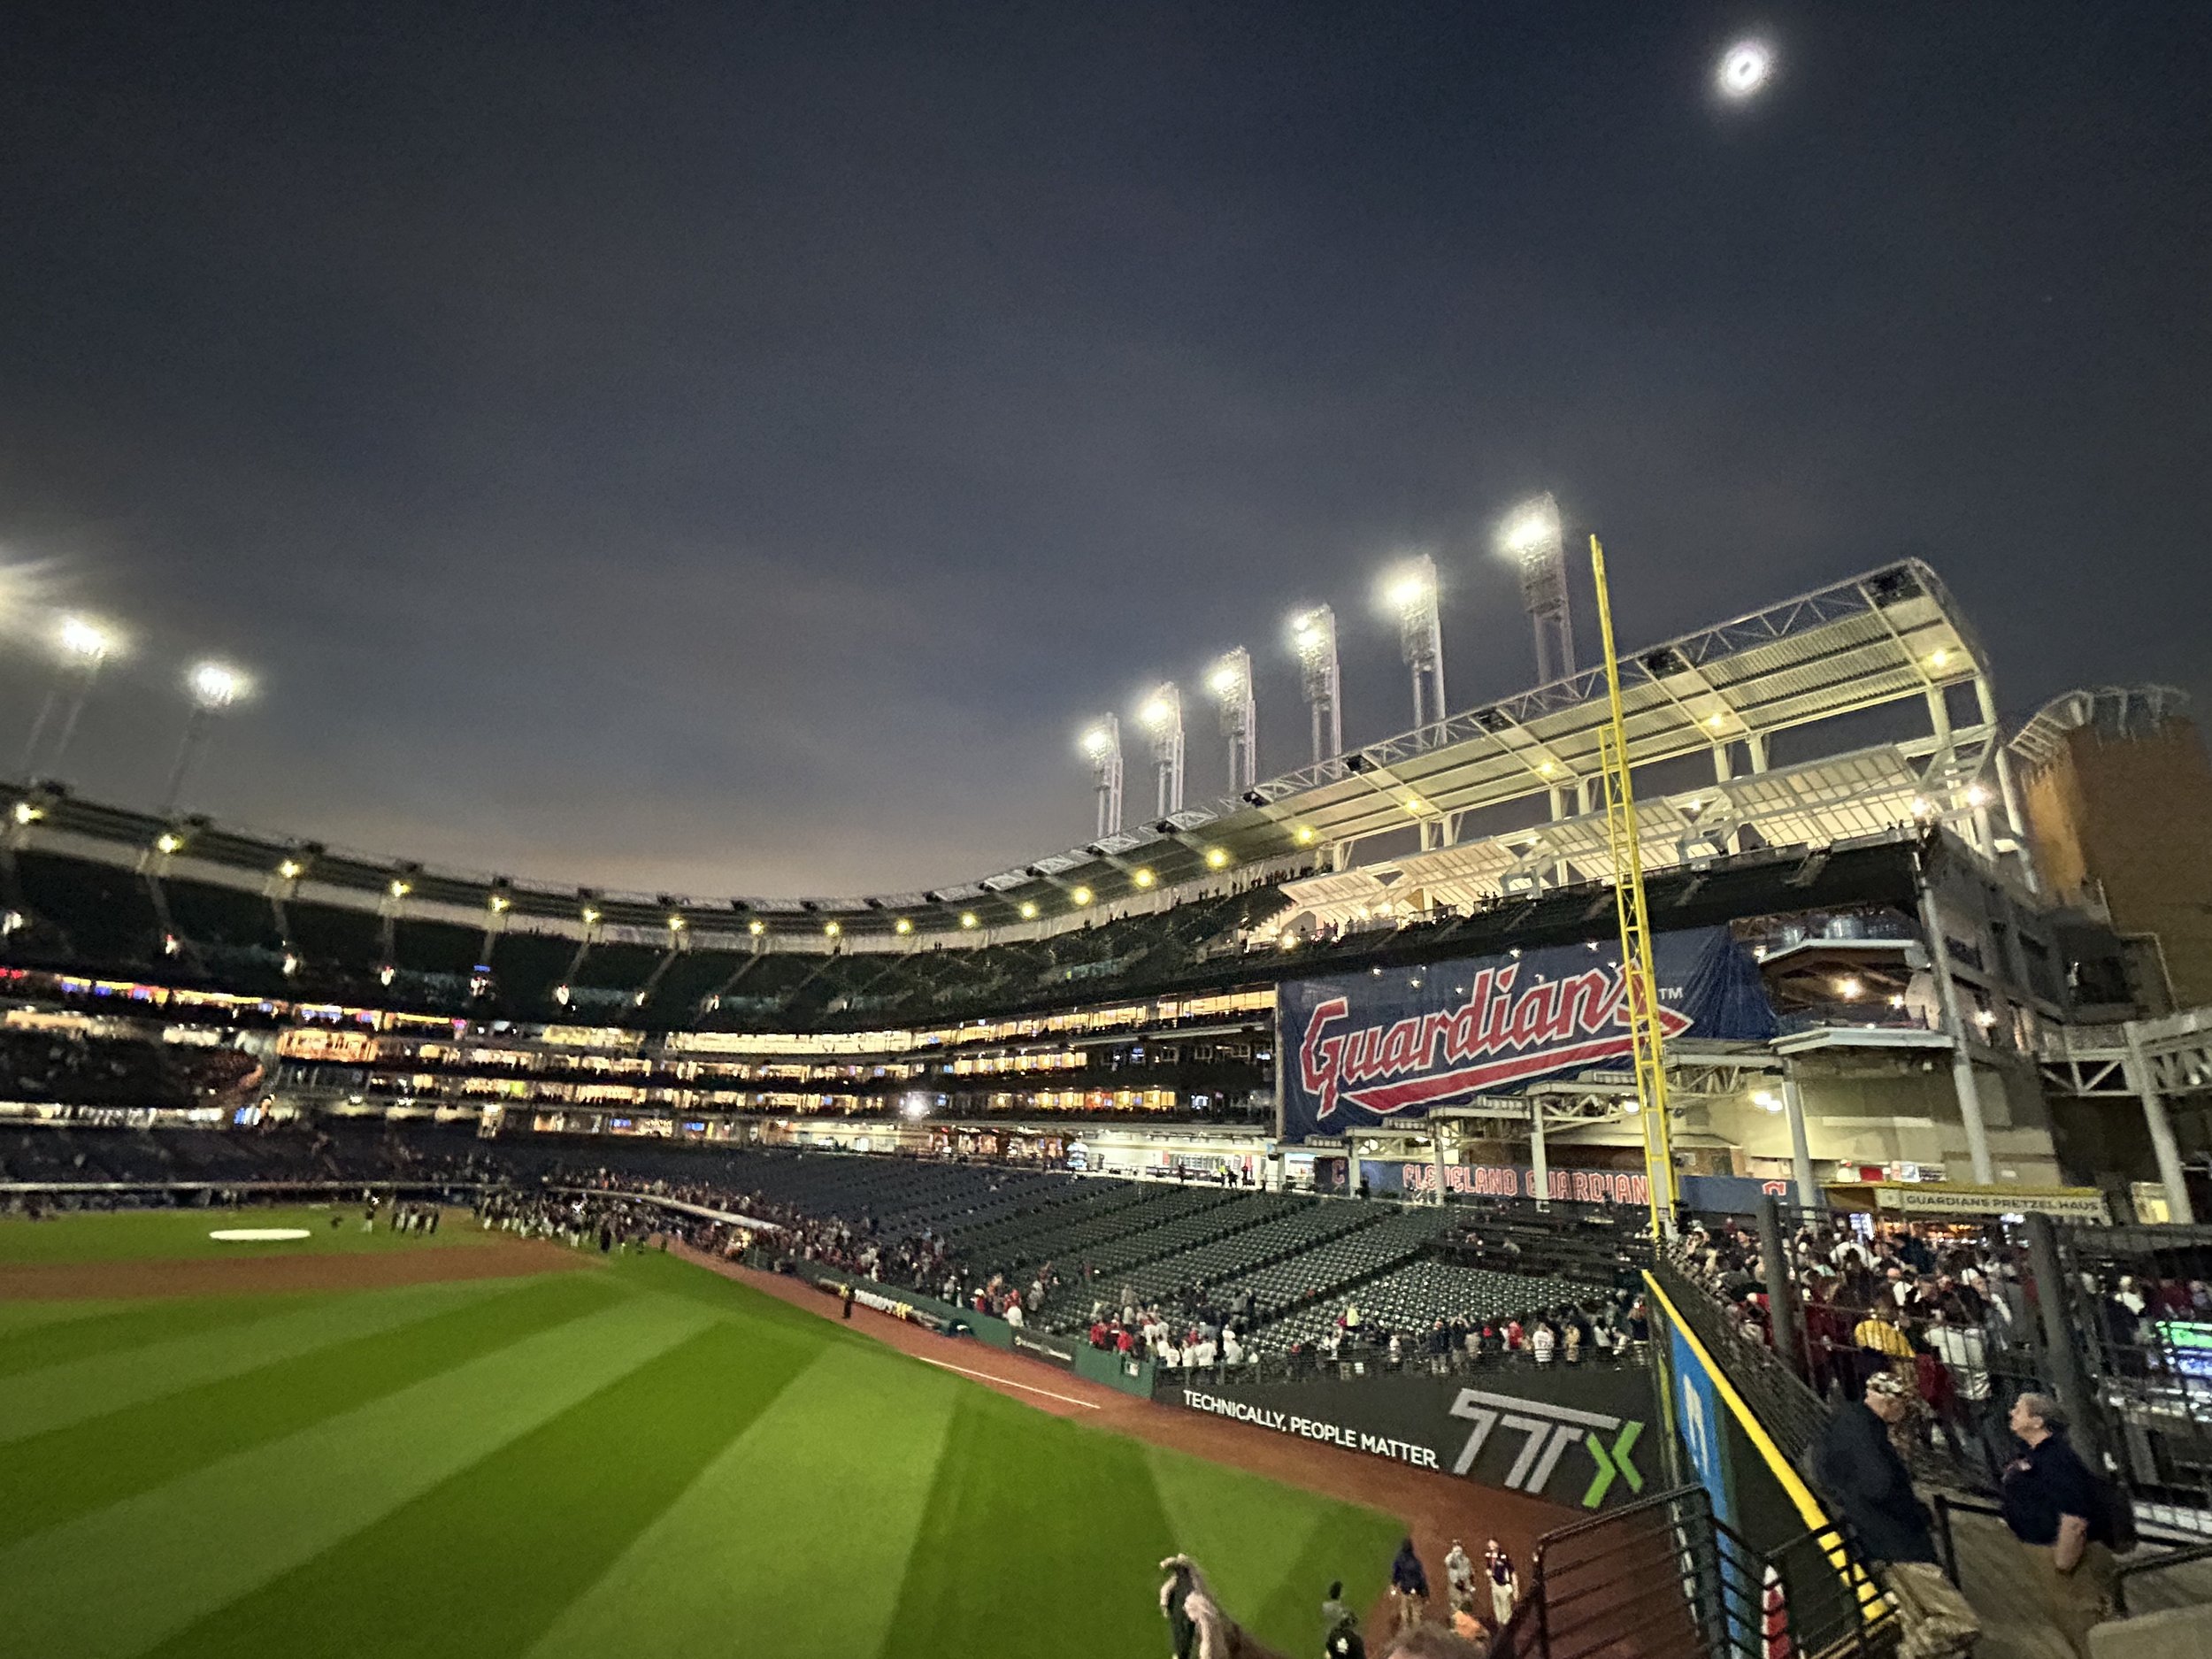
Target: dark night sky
732, 449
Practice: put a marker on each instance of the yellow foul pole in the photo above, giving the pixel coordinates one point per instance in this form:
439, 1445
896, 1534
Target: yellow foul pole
1639, 984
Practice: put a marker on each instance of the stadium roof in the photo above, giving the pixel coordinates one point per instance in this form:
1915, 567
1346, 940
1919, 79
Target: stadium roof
1886, 636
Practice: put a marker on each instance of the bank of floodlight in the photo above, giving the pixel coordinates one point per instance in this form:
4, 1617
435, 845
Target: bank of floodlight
1161, 715
1230, 680
1102, 744
1313, 636
1532, 537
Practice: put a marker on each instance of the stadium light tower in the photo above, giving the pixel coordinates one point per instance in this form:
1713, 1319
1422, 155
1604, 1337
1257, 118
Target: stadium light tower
1531, 537
1230, 680
1313, 636
1103, 744
1411, 593
214, 688
1162, 716
83, 645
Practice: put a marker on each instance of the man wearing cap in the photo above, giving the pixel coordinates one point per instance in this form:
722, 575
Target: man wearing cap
1861, 1472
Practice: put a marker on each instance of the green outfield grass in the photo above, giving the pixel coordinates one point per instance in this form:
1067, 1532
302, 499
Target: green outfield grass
642, 1457
182, 1234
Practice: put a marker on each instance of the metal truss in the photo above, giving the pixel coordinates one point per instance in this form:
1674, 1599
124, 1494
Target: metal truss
2093, 1060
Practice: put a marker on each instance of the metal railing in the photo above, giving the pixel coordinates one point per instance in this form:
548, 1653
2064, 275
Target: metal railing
1663, 1578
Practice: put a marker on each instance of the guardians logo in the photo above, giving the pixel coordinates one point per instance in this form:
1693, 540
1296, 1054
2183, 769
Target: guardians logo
1502, 1034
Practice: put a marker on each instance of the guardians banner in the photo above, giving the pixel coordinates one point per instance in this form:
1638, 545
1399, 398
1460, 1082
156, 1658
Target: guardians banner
1364, 1050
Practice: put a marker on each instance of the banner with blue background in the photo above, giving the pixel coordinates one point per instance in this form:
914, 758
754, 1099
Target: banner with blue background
1364, 1049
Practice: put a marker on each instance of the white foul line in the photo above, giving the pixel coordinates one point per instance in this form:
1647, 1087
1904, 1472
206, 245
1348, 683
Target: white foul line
1008, 1382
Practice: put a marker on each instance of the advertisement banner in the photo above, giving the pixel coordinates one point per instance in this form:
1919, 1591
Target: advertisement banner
1701, 1426
1565, 1433
1369, 1048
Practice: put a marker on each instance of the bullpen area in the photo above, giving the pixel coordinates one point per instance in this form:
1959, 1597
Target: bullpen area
370, 1442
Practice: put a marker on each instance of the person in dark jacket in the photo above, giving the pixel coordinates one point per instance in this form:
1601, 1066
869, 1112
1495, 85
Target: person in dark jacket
1858, 1466
1409, 1585
2053, 1505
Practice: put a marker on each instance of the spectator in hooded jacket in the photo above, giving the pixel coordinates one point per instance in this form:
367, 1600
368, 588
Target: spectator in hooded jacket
1409, 1585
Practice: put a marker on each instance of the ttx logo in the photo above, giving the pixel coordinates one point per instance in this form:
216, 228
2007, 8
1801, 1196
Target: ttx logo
1550, 1430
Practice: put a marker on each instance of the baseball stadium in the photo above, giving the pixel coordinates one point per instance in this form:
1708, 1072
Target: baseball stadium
1469, 1182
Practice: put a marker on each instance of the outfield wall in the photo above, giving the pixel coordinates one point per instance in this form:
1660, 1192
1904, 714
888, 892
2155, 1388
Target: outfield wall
1569, 1434
1069, 1354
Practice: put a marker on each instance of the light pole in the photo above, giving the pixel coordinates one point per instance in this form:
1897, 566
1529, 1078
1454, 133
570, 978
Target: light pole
84, 645
1103, 744
1162, 716
1313, 636
214, 688
1531, 537
1230, 680
1411, 593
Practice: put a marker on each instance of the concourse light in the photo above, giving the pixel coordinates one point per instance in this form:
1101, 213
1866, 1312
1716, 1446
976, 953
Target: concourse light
400, 889
1216, 858
1144, 878
168, 841
1850, 988
1767, 1099
1544, 769
1029, 910
1975, 795
216, 686
26, 813
1716, 721
499, 903
1303, 835
904, 924
1081, 896
675, 923
967, 918
757, 927
832, 929
290, 869
590, 915
1938, 659
1985, 1018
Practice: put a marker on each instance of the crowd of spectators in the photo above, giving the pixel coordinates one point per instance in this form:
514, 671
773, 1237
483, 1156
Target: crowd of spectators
1566, 1333
1947, 1310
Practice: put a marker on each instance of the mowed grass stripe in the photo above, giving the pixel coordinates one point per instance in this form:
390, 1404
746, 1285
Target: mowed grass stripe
116, 1581
795, 1539
1244, 1530
133, 1325
17, 1316
1350, 1543
33, 1402
1026, 1507
490, 1557
47, 1478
